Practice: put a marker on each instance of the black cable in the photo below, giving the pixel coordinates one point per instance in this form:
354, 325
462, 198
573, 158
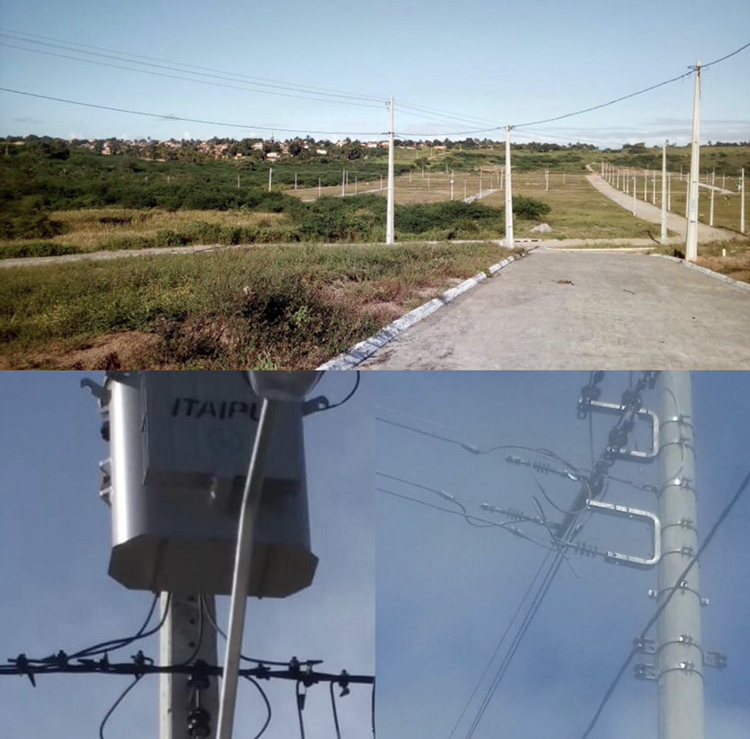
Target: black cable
255, 660
722, 517
335, 712
115, 704
516, 643
171, 117
114, 644
372, 711
350, 395
300, 703
269, 713
442, 494
716, 61
502, 525
255, 80
173, 76
500, 643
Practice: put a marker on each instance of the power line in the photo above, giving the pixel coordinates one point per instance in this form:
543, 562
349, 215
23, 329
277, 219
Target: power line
722, 517
189, 120
177, 77
255, 80
109, 713
269, 712
631, 95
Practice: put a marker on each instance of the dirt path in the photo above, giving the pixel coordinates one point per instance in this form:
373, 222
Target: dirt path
652, 213
582, 309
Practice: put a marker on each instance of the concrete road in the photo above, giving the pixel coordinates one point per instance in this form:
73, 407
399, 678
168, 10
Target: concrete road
652, 213
622, 311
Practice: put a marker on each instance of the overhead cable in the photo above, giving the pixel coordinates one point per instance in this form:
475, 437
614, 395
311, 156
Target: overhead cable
170, 117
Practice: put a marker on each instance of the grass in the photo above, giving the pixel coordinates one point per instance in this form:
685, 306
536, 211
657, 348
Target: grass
731, 258
726, 206
273, 307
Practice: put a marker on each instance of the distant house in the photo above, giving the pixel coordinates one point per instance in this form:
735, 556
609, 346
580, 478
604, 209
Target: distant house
273, 155
322, 152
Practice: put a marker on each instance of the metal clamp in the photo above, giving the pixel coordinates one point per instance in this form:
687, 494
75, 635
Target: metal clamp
615, 408
630, 560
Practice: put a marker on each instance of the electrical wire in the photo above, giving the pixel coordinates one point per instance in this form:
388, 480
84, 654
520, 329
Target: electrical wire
712, 532
269, 712
114, 644
716, 61
224, 74
178, 77
189, 120
506, 525
441, 493
300, 703
500, 644
116, 704
350, 395
335, 712
254, 660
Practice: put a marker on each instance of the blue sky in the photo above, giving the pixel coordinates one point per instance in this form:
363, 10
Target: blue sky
501, 62
446, 590
55, 535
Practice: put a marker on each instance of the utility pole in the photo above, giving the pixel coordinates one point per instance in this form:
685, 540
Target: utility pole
390, 210
320, 187
679, 654
270, 178
653, 193
182, 703
451, 184
295, 180
669, 192
508, 194
343, 182
635, 182
711, 218
691, 246
238, 182
742, 200
663, 193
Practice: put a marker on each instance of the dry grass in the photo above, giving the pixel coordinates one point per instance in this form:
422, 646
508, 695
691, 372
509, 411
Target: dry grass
274, 307
90, 228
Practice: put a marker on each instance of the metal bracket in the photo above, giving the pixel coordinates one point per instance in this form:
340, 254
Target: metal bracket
644, 671
644, 645
611, 509
98, 391
615, 408
717, 660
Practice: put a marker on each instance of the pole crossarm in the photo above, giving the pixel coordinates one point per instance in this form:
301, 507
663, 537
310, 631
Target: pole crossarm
143, 665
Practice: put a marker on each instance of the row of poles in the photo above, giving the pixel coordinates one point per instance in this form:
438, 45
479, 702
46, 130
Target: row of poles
621, 178
614, 175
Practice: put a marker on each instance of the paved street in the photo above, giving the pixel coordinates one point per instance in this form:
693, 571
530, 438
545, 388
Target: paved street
583, 309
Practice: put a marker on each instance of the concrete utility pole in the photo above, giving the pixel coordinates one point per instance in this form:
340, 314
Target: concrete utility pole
295, 180
509, 242
343, 182
669, 192
320, 187
691, 245
679, 654
270, 178
179, 642
653, 194
742, 200
451, 184
390, 236
663, 193
711, 218
635, 182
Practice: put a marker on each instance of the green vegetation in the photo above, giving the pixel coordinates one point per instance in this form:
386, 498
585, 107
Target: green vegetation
282, 306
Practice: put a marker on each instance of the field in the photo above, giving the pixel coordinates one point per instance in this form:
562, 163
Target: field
265, 307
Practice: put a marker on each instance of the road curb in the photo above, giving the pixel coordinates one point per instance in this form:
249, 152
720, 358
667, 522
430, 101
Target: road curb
365, 349
716, 275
